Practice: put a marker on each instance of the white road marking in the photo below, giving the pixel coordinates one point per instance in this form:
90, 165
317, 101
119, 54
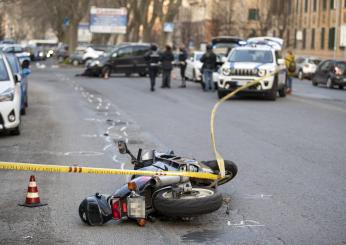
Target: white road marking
125, 134
107, 146
89, 135
245, 223
123, 128
258, 196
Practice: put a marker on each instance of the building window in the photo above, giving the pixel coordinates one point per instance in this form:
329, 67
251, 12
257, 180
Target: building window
331, 38
313, 38
322, 38
324, 4
304, 38
295, 39
315, 5
288, 38
253, 14
297, 6
332, 4
306, 6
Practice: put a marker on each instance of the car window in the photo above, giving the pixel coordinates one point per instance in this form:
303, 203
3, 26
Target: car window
13, 61
140, 50
314, 61
342, 68
3, 71
18, 49
257, 56
300, 60
124, 52
325, 66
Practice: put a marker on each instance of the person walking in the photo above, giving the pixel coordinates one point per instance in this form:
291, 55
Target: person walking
167, 58
291, 68
152, 58
209, 65
182, 57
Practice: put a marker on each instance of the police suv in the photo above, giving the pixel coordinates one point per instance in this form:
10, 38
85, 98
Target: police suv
259, 58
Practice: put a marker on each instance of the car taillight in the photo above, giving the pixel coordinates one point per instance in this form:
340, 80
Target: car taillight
116, 212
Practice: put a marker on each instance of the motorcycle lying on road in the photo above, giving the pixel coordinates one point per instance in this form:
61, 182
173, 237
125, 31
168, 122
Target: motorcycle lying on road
171, 196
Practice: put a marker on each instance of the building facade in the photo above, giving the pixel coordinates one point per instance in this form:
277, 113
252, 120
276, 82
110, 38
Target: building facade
316, 27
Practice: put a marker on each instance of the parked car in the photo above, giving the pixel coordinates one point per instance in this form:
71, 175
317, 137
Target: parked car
10, 98
61, 52
16, 69
127, 59
16, 49
331, 73
193, 67
306, 67
91, 53
76, 58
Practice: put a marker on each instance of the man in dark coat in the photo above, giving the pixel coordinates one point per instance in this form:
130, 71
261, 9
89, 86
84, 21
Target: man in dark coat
209, 66
167, 58
152, 58
182, 63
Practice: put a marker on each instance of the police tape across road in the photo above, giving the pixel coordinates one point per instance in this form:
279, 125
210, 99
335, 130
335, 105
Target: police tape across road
87, 170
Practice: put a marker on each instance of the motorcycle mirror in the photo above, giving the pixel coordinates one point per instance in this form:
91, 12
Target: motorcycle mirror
122, 147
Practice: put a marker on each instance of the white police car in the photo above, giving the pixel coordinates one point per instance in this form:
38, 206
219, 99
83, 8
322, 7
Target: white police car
260, 57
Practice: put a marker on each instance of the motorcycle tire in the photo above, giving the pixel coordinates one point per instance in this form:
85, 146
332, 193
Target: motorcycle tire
198, 201
230, 168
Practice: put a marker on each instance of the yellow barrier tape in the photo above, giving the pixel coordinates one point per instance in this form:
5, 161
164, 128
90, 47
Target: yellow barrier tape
219, 158
88, 170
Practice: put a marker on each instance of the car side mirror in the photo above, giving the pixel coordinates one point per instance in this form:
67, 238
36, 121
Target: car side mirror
122, 147
17, 78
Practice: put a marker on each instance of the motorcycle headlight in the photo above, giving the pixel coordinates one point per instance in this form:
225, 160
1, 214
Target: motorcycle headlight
226, 71
7, 95
261, 72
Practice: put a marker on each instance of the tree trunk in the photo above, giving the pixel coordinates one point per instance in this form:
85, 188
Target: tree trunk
72, 36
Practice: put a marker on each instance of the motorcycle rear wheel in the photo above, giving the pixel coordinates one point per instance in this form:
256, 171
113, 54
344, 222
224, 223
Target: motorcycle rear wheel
198, 201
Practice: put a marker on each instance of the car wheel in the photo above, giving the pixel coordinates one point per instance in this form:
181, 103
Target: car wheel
106, 72
300, 75
341, 87
127, 74
221, 94
330, 83
282, 91
75, 62
23, 111
142, 74
314, 83
272, 93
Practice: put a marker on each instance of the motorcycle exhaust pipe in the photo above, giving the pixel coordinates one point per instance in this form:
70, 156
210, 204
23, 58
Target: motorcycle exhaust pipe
160, 181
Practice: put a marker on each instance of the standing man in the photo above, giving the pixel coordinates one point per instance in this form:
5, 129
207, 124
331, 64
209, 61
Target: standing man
291, 68
167, 58
182, 63
209, 65
152, 58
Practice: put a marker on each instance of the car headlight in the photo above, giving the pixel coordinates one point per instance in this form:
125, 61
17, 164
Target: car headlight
226, 71
7, 95
261, 72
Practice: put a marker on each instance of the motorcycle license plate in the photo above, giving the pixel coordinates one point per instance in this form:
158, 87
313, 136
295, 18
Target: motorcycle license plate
136, 207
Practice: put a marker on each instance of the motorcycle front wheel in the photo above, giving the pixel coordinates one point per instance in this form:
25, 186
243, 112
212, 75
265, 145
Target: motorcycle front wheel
198, 201
230, 168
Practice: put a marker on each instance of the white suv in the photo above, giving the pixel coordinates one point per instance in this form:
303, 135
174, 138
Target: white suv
10, 98
259, 58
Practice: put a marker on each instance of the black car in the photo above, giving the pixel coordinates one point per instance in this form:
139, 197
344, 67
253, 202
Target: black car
331, 73
127, 59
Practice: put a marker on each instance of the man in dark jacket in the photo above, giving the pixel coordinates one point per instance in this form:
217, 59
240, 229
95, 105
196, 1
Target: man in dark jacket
167, 58
182, 63
209, 66
152, 58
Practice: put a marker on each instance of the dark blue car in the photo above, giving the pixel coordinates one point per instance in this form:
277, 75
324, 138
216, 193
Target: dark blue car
17, 69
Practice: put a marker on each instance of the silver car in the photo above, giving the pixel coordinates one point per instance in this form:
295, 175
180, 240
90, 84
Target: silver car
306, 67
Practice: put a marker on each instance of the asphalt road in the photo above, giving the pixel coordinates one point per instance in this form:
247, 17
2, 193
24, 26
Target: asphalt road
290, 189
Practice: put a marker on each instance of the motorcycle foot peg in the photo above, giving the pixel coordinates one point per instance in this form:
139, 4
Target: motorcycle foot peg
141, 222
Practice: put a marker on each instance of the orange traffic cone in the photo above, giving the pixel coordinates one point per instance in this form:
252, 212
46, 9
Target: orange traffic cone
32, 197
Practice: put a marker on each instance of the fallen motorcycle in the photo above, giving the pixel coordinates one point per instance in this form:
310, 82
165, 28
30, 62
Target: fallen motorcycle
172, 196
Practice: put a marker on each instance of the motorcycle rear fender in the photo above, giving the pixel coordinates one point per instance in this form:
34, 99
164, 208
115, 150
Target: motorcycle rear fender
142, 182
